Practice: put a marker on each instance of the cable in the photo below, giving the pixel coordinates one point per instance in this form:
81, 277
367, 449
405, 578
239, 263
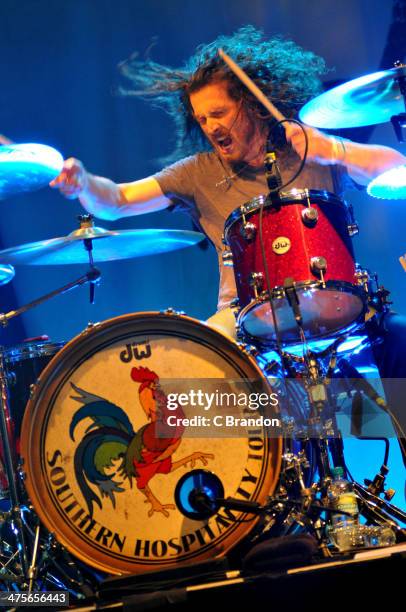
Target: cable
302, 164
261, 241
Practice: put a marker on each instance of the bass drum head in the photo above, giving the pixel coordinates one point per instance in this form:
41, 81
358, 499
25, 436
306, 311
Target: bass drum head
99, 478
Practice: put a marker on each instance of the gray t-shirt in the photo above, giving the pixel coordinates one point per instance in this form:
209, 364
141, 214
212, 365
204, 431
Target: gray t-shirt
198, 185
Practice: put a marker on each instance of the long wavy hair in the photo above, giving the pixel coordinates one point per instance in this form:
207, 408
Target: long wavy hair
287, 74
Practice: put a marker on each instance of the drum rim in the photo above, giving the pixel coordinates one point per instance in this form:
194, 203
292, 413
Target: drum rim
30, 350
36, 413
339, 285
336, 285
292, 196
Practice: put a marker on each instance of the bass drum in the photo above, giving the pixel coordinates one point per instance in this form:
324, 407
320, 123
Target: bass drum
101, 464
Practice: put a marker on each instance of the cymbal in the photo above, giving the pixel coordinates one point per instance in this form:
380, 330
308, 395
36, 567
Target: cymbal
7, 274
27, 167
373, 98
107, 245
390, 185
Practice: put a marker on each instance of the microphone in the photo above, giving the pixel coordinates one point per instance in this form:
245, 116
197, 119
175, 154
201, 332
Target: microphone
239, 505
293, 300
197, 494
273, 175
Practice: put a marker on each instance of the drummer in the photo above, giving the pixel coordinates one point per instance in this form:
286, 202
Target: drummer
221, 135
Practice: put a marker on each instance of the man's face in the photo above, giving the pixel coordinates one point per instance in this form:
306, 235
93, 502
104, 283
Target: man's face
233, 134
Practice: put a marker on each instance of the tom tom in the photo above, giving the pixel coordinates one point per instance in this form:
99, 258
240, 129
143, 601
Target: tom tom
23, 364
308, 250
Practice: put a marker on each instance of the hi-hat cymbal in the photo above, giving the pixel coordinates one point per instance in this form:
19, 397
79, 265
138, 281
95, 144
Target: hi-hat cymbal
107, 246
7, 274
373, 98
27, 167
390, 185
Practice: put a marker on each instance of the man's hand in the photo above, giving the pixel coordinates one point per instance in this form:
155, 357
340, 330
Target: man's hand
5, 141
72, 180
322, 149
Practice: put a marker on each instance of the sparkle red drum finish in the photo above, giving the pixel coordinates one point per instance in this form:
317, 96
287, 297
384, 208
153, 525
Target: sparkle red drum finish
307, 238
23, 364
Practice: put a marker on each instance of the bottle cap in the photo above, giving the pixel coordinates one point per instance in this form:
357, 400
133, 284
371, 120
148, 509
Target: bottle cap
337, 472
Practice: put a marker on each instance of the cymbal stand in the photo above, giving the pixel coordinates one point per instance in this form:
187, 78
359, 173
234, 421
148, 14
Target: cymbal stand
86, 221
303, 510
32, 568
93, 276
325, 437
6, 433
10, 462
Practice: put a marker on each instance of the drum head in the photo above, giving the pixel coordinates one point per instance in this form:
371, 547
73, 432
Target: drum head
339, 307
98, 476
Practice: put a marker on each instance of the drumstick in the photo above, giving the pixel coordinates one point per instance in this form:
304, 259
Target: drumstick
249, 83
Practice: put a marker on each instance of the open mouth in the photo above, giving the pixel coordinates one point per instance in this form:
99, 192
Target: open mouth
224, 143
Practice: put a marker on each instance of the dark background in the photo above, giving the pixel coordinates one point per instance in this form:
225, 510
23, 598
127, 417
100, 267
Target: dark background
58, 75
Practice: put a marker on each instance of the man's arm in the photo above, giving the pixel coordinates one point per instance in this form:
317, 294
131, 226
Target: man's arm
363, 162
105, 199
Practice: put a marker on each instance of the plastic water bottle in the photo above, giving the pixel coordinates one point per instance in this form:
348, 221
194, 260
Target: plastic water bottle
342, 497
344, 533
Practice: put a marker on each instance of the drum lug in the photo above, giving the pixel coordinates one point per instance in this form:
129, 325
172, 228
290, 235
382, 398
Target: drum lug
362, 278
249, 349
256, 281
241, 336
90, 326
248, 230
310, 216
227, 258
252, 350
235, 309
318, 266
353, 229
277, 293
239, 333
171, 311
377, 295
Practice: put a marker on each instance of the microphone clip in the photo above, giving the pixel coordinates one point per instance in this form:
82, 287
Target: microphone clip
272, 173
